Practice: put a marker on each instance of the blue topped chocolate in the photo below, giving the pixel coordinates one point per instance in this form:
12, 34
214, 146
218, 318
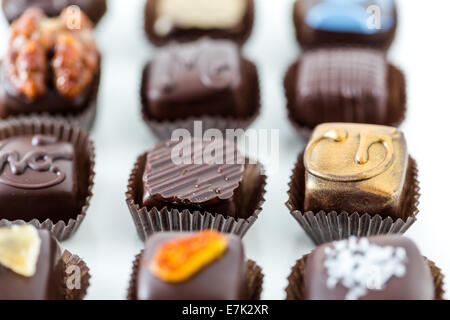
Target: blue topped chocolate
363, 22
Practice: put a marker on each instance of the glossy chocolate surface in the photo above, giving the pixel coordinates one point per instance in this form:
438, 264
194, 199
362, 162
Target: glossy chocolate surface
348, 85
183, 21
12, 103
204, 78
94, 9
45, 284
365, 174
37, 179
370, 23
196, 184
408, 278
223, 279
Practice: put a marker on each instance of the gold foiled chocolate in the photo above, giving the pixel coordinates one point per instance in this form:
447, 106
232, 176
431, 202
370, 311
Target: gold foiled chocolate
355, 168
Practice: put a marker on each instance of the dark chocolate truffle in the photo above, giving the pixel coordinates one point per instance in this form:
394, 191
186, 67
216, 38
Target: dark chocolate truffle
94, 9
181, 20
38, 273
356, 168
203, 78
49, 67
195, 174
374, 268
345, 85
220, 277
370, 23
38, 179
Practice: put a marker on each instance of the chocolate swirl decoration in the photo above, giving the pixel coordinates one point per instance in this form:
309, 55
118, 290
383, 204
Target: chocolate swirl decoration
36, 160
367, 138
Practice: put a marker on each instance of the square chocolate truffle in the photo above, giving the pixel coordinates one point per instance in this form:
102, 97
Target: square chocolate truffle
356, 168
50, 67
38, 273
370, 23
38, 179
94, 9
345, 85
189, 20
192, 266
203, 78
201, 175
374, 268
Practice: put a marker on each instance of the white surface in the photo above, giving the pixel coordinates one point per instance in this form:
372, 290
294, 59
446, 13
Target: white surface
107, 239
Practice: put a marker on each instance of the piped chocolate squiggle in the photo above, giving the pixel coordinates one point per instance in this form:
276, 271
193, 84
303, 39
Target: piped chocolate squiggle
40, 160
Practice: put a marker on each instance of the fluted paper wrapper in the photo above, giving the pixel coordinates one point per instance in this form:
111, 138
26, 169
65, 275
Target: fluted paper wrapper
253, 277
70, 260
163, 129
394, 118
84, 150
324, 227
296, 281
149, 221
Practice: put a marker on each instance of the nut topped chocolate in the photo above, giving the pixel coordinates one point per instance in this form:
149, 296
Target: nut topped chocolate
206, 265
369, 23
181, 20
94, 9
49, 67
30, 264
366, 172
38, 179
203, 78
374, 268
196, 174
345, 85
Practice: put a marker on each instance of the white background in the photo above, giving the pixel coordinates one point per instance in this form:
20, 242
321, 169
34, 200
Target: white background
107, 239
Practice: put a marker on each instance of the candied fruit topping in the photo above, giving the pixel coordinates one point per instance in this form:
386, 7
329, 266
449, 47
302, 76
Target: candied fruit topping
179, 259
19, 249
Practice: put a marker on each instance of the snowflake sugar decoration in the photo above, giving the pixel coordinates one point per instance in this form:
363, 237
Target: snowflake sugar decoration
360, 266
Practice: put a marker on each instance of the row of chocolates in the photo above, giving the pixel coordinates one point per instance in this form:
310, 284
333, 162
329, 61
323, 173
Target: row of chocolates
368, 187
370, 23
210, 265
51, 68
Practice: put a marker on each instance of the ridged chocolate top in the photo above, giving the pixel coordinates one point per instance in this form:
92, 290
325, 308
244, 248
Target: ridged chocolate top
191, 172
343, 73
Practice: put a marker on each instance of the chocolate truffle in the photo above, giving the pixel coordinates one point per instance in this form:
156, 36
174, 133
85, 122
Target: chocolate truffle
49, 66
356, 168
94, 9
200, 175
30, 264
192, 266
188, 20
345, 85
374, 268
203, 78
38, 179
370, 23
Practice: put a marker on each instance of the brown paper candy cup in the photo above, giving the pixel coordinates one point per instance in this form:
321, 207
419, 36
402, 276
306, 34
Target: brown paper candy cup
163, 129
324, 227
254, 280
148, 221
296, 282
396, 94
70, 260
84, 149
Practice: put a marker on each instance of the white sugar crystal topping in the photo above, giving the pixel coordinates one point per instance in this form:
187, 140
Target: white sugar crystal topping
360, 266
